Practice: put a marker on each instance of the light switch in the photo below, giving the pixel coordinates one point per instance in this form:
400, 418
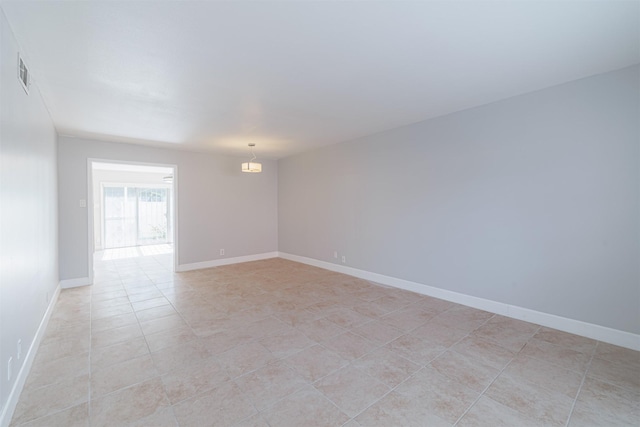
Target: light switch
83, 203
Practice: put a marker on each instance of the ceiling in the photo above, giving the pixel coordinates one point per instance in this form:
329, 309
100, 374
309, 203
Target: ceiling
293, 76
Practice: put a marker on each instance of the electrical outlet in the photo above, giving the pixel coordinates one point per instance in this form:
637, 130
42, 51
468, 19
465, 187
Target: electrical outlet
344, 259
10, 369
335, 254
221, 251
19, 349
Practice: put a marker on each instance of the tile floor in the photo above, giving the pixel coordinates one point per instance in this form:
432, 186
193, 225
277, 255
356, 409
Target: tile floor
277, 343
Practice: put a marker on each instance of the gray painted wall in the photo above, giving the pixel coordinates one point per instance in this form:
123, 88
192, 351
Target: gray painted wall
28, 212
218, 205
533, 201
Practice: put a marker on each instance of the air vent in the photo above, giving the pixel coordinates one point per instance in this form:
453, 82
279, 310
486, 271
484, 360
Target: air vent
23, 74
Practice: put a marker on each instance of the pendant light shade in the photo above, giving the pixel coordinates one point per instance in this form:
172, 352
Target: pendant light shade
251, 166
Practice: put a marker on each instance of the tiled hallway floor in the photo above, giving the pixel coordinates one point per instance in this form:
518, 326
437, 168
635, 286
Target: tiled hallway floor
276, 343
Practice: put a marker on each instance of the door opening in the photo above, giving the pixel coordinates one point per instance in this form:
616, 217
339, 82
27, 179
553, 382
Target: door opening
131, 216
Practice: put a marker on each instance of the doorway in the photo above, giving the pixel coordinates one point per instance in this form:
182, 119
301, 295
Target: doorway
132, 216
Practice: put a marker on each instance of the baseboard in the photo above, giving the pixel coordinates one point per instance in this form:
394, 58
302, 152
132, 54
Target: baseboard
589, 330
74, 283
226, 261
21, 378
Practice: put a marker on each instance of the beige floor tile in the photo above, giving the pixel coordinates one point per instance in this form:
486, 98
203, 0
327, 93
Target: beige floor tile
603, 404
488, 412
270, 383
129, 405
437, 334
162, 418
224, 341
350, 346
617, 354
566, 340
45, 372
245, 358
369, 292
121, 375
36, 403
179, 356
296, 316
149, 303
316, 362
398, 410
111, 311
366, 309
320, 330
286, 342
63, 330
170, 337
389, 303
347, 318
207, 326
508, 333
408, 318
556, 354
115, 335
616, 373
265, 327
193, 379
224, 405
378, 332
105, 356
99, 325
546, 406
466, 370
461, 317
76, 416
438, 394
155, 313
107, 294
253, 421
386, 366
307, 407
162, 324
63, 348
434, 305
418, 351
102, 304
351, 389
144, 295
545, 375
488, 353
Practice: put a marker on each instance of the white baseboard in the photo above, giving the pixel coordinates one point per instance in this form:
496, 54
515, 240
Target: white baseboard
74, 283
225, 261
589, 330
21, 378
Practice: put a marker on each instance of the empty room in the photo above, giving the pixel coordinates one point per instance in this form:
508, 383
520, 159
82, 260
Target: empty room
319, 213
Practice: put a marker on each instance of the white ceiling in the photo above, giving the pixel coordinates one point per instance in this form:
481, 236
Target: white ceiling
291, 76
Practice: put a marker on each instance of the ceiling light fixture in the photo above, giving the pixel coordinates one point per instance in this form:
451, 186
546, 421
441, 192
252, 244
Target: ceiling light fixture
251, 166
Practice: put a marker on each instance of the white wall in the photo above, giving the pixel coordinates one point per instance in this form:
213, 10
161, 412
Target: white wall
533, 201
28, 215
218, 205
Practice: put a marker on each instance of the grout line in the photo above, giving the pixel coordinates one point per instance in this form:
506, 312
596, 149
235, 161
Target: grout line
584, 377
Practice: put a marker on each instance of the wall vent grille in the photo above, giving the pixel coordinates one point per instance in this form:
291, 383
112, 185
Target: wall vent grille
23, 74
